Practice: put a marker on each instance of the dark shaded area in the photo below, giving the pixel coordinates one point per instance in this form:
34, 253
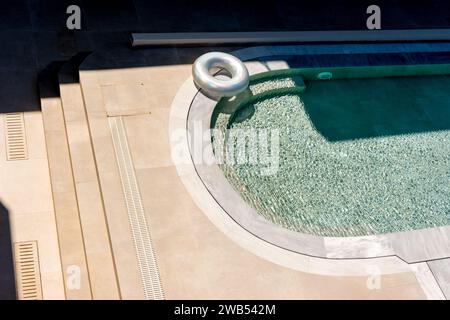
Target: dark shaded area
125, 57
7, 279
69, 71
367, 108
59, 72
363, 59
116, 15
48, 80
243, 114
281, 15
33, 33
18, 91
226, 15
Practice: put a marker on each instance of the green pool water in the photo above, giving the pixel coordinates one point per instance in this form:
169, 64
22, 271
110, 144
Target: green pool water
367, 152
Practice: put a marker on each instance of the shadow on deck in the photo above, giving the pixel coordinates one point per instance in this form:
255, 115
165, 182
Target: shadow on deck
7, 279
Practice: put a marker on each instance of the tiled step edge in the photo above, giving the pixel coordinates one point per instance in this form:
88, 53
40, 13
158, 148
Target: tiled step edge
70, 236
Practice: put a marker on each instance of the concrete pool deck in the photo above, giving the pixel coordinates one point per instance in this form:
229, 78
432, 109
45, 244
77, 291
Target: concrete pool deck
195, 259
25, 190
198, 255
189, 266
410, 246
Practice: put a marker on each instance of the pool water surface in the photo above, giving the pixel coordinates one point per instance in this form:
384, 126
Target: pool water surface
366, 152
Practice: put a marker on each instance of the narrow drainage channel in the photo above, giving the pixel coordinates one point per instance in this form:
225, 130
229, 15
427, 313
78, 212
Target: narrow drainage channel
148, 267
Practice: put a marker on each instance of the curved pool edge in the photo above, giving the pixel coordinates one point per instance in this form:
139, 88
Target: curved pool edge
330, 256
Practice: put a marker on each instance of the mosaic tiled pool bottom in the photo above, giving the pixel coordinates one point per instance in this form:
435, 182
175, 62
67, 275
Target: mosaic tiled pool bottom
357, 155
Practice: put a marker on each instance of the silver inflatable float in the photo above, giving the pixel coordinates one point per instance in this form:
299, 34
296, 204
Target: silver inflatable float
220, 87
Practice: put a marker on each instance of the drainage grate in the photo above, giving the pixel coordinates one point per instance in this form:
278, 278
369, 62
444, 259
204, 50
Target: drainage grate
27, 270
148, 268
16, 146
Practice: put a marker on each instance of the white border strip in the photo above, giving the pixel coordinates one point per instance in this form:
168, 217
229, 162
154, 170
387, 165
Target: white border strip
427, 281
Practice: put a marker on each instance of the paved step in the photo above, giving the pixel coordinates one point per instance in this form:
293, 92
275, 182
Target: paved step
71, 242
99, 255
131, 282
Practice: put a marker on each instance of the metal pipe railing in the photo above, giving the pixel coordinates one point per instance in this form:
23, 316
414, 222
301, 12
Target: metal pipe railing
202, 38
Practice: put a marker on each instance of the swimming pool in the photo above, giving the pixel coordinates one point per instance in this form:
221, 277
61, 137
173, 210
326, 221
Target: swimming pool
362, 150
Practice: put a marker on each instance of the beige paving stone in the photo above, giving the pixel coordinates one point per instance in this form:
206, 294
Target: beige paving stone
125, 99
93, 97
97, 244
121, 240
25, 191
52, 115
398, 279
162, 83
26, 179
53, 283
81, 151
90, 203
154, 184
65, 201
111, 189
102, 144
59, 161
121, 76
41, 227
150, 136
35, 135
88, 78
115, 209
70, 238
405, 293
73, 104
